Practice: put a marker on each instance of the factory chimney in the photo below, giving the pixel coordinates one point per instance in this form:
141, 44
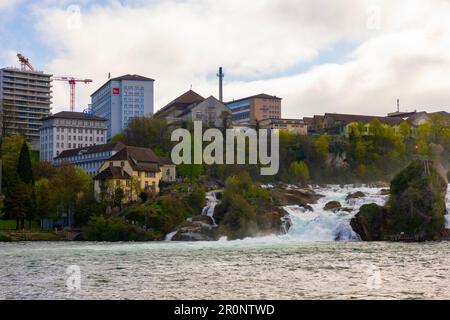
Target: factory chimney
220, 75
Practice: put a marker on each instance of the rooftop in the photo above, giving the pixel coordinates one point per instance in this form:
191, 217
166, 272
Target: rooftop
140, 159
185, 100
112, 173
74, 115
127, 77
112, 146
348, 118
257, 96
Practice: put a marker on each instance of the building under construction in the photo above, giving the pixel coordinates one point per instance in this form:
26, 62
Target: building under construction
25, 98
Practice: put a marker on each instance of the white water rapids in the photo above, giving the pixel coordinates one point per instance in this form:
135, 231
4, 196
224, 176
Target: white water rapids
321, 225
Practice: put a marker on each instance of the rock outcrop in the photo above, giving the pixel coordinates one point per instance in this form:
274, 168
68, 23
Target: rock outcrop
332, 206
356, 195
370, 223
197, 229
292, 197
415, 210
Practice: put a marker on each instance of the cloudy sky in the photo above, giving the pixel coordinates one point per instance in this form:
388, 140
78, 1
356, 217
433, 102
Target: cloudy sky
346, 56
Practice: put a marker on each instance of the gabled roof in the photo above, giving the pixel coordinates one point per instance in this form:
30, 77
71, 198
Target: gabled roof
181, 103
416, 118
257, 96
112, 173
192, 106
74, 115
349, 118
140, 159
308, 121
112, 146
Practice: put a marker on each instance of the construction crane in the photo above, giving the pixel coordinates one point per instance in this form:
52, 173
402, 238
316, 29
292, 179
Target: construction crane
24, 62
72, 81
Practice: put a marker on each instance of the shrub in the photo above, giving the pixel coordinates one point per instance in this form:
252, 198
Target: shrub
113, 229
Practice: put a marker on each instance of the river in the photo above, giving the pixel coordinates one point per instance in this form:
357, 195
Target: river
304, 264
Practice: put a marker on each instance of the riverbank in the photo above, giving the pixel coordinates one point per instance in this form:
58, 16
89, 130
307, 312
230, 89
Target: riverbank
307, 215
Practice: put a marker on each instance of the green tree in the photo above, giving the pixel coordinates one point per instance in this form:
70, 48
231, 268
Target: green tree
405, 130
69, 184
299, 172
45, 208
119, 195
24, 168
149, 133
322, 147
10, 149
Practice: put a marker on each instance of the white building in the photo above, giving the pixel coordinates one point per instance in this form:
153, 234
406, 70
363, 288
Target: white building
70, 130
25, 97
90, 159
121, 99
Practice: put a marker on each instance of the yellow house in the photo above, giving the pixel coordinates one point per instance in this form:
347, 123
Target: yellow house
134, 170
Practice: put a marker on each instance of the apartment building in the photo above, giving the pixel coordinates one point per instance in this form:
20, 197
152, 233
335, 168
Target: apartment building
70, 130
295, 126
90, 159
25, 98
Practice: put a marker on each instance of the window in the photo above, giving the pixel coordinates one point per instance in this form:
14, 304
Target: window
122, 164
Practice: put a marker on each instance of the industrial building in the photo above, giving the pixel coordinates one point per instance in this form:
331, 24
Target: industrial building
121, 99
25, 98
248, 111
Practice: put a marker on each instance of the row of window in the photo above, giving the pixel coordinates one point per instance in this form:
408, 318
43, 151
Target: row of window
74, 145
80, 138
241, 116
85, 123
80, 130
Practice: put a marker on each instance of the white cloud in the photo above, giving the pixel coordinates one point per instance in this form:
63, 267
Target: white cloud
180, 43
5, 4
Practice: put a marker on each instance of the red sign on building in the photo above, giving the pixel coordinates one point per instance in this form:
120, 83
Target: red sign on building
116, 91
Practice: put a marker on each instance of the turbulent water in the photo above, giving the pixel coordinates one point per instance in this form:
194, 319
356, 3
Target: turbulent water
294, 266
321, 225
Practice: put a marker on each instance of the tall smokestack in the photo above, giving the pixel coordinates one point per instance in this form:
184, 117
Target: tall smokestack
220, 75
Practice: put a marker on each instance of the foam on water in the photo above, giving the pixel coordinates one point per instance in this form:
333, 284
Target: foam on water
321, 225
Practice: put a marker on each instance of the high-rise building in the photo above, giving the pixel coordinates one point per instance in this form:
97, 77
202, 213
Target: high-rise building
121, 99
25, 98
255, 108
70, 130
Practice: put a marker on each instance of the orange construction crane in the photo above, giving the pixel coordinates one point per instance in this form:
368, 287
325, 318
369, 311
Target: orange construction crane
72, 81
24, 62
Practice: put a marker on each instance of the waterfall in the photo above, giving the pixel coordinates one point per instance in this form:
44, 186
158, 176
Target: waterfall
170, 235
211, 203
321, 225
